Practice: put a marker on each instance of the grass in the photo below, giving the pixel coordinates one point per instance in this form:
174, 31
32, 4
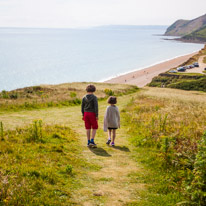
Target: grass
189, 74
167, 142
45, 96
49, 163
42, 165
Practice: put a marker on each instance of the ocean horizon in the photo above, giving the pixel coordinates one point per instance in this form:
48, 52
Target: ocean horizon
34, 56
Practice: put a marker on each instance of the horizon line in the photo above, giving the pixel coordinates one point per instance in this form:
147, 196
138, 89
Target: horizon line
83, 27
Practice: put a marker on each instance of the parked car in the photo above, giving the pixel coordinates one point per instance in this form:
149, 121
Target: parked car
181, 69
191, 66
173, 71
196, 64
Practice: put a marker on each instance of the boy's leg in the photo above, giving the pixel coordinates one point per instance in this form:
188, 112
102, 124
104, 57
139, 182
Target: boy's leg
88, 134
93, 133
88, 137
92, 139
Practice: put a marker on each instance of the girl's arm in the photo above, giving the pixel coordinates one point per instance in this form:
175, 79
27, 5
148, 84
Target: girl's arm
105, 120
118, 116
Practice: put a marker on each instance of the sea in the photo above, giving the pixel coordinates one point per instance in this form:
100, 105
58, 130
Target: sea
33, 56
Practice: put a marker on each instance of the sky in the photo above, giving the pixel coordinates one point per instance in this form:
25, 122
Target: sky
89, 13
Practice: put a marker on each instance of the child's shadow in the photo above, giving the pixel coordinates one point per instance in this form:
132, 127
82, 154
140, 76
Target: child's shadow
125, 149
100, 152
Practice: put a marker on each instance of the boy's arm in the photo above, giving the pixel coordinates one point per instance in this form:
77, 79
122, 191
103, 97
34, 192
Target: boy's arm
82, 107
96, 107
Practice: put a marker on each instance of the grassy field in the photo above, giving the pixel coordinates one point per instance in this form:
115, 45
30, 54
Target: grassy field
158, 158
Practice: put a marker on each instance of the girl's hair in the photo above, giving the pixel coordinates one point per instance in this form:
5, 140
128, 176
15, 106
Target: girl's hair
112, 100
91, 88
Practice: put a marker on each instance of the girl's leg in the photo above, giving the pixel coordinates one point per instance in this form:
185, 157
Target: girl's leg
109, 133
113, 135
109, 136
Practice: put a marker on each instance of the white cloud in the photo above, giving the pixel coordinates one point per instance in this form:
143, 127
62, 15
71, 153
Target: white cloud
78, 13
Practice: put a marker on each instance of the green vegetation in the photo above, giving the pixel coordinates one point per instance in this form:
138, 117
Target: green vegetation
44, 96
185, 82
164, 164
42, 165
198, 35
171, 147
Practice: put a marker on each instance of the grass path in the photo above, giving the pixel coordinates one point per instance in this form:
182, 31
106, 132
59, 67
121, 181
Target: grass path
111, 183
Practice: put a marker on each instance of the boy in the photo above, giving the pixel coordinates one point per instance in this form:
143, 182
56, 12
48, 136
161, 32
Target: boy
90, 114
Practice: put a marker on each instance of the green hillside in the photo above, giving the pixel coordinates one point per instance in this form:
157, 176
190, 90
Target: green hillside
198, 35
185, 27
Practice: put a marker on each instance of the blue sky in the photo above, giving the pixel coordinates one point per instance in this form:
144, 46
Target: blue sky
87, 13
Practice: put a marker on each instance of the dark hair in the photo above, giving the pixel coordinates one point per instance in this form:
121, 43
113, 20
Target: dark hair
91, 88
112, 100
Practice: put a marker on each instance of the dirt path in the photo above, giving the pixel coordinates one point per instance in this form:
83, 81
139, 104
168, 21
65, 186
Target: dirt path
110, 184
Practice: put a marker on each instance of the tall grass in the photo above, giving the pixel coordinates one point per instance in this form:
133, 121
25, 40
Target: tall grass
171, 131
45, 170
1, 131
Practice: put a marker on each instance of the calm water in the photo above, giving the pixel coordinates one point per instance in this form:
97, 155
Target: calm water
51, 56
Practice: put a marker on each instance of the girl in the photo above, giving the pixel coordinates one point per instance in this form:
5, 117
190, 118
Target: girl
111, 120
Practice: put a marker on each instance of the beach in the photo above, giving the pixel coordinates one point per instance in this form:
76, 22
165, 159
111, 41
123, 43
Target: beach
144, 76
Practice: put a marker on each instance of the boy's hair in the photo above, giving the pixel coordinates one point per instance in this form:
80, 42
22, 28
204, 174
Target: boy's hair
91, 88
112, 100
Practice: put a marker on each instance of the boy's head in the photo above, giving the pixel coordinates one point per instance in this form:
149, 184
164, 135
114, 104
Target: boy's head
112, 100
91, 88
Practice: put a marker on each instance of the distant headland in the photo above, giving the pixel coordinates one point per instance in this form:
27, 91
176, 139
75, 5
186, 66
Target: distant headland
189, 30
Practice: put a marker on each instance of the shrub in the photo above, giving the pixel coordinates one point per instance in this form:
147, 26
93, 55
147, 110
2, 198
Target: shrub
73, 94
4, 94
13, 96
109, 92
69, 169
35, 132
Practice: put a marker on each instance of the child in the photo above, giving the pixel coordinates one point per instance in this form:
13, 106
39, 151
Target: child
111, 119
89, 109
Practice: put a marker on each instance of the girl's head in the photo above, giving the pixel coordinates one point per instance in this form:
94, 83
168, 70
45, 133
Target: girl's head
112, 100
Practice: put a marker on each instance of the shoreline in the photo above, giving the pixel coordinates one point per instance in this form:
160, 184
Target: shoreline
144, 76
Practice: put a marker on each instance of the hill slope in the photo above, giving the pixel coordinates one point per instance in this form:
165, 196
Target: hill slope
185, 27
196, 36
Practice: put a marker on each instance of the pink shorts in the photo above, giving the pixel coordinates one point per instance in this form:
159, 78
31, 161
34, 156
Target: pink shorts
90, 120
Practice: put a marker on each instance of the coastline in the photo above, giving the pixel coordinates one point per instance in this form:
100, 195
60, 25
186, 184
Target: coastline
144, 76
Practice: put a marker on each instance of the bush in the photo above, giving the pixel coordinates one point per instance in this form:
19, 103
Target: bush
109, 92
73, 94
